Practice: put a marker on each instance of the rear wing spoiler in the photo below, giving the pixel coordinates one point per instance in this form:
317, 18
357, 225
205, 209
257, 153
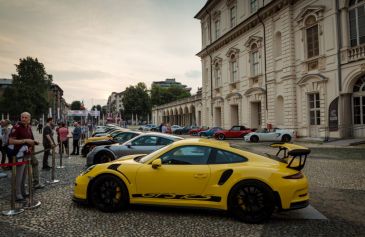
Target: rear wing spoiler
294, 155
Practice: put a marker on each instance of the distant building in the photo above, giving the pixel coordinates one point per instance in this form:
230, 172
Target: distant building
170, 82
4, 83
115, 103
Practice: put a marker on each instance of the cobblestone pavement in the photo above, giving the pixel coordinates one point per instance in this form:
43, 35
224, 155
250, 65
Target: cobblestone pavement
337, 190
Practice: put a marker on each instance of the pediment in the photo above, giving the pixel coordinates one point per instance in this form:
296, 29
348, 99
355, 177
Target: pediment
317, 77
217, 61
253, 39
257, 90
308, 10
232, 51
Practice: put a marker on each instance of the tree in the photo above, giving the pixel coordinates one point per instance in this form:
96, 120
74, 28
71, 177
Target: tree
137, 101
160, 96
29, 89
98, 107
76, 105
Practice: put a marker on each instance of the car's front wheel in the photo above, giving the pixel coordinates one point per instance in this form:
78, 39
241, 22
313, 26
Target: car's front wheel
286, 138
251, 201
103, 157
254, 139
109, 194
221, 136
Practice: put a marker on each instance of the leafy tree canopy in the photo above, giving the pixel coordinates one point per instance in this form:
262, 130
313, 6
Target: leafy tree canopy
29, 89
160, 95
136, 101
98, 107
76, 105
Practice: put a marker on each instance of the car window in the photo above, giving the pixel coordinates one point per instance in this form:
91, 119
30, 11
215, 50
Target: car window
226, 157
125, 136
164, 141
187, 155
145, 141
235, 129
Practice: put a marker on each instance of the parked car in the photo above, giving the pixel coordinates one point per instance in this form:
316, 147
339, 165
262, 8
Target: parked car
195, 131
175, 127
200, 173
210, 132
184, 130
148, 127
120, 137
105, 136
234, 132
277, 134
144, 143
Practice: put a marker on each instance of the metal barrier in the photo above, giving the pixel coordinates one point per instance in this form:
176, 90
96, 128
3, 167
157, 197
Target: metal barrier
53, 180
61, 153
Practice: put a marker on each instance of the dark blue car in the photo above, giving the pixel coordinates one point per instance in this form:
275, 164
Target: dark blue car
210, 132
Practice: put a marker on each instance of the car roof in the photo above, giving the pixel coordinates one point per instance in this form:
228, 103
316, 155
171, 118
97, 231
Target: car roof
203, 142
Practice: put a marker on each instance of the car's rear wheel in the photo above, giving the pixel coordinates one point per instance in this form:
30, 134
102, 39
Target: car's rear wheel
109, 194
103, 157
254, 139
286, 138
251, 201
194, 133
221, 136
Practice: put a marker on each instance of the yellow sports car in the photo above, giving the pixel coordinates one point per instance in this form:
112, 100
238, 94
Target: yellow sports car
200, 173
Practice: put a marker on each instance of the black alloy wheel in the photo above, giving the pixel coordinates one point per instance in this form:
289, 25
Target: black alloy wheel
109, 194
251, 201
286, 138
194, 133
254, 139
103, 157
221, 136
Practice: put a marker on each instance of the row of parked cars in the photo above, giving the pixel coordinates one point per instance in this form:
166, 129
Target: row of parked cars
165, 169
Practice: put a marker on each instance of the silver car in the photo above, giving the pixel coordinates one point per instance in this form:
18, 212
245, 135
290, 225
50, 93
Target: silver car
142, 144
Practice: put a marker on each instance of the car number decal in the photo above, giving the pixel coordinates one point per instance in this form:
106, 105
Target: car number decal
210, 198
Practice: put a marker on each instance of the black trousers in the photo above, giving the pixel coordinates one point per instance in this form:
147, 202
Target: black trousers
3, 154
76, 147
45, 155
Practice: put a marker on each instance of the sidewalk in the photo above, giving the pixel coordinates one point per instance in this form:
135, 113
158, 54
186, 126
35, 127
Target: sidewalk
344, 143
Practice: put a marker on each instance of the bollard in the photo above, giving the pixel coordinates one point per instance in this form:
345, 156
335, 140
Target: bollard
53, 180
61, 151
13, 211
31, 202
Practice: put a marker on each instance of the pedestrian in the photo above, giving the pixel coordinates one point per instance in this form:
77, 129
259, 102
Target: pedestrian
48, 142
164, 128
21, 143
76, 135
160, 127
63, 131
40, 128
5, 131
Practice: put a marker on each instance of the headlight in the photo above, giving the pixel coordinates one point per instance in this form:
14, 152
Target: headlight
87, 170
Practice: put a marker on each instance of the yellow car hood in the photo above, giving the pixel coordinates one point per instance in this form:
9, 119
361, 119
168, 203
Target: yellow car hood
93, 139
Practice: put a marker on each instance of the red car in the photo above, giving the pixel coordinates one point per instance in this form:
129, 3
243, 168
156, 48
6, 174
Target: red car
195, 131
234, 132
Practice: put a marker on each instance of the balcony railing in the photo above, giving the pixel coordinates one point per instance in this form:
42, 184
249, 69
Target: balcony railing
356, 53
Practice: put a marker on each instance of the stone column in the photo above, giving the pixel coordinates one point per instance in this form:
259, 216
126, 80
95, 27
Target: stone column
345, 115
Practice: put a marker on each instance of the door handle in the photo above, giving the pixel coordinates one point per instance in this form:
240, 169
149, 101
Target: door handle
200, 176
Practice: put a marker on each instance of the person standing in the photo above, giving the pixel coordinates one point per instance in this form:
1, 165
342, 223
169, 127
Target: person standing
21, 141
40, 128
63, 131
6, 128
48, 142
76, 135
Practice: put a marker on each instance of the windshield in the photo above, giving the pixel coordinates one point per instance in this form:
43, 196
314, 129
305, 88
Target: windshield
151, 155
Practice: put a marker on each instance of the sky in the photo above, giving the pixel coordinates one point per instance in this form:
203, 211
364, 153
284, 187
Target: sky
96, 47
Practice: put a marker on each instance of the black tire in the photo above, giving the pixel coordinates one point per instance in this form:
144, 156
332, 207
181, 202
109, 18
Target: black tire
286, 138
254, 139
103, 157
194, 133
85, 150
251, 201
220, 136
109, 194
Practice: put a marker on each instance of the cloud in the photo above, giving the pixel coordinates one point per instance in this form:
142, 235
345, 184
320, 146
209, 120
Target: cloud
193, 74
72, 75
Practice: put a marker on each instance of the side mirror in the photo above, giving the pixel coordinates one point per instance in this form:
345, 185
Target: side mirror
156, 163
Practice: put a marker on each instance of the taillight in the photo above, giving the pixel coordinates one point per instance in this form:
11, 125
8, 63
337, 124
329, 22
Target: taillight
298, 175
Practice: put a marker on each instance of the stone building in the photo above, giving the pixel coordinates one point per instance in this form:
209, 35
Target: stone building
115, 103
291, 64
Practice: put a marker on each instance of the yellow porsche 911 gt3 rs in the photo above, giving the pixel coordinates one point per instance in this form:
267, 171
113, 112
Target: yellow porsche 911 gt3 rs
200, 173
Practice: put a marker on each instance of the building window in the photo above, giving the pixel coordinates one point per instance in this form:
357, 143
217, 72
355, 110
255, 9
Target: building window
233, 18
253, 6
312, 37
357, 22
314, 109
234, 70
217, 76
359, 101
217, 26
255, 60
277, 48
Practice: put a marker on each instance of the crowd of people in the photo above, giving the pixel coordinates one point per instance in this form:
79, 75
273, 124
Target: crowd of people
18, 141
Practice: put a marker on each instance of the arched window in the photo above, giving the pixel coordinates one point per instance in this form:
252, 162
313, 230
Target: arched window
312, 37
217, 75
277, 44
357, 22
234, 68
358, 101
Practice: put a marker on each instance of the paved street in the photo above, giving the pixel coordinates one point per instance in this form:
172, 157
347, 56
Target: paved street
337, 191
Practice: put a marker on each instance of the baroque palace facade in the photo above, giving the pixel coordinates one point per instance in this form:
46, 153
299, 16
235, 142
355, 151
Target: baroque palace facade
284, 63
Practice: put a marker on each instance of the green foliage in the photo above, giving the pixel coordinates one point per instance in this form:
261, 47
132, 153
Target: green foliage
160, 95
137, 101
98, 107
76, 105
29, 89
